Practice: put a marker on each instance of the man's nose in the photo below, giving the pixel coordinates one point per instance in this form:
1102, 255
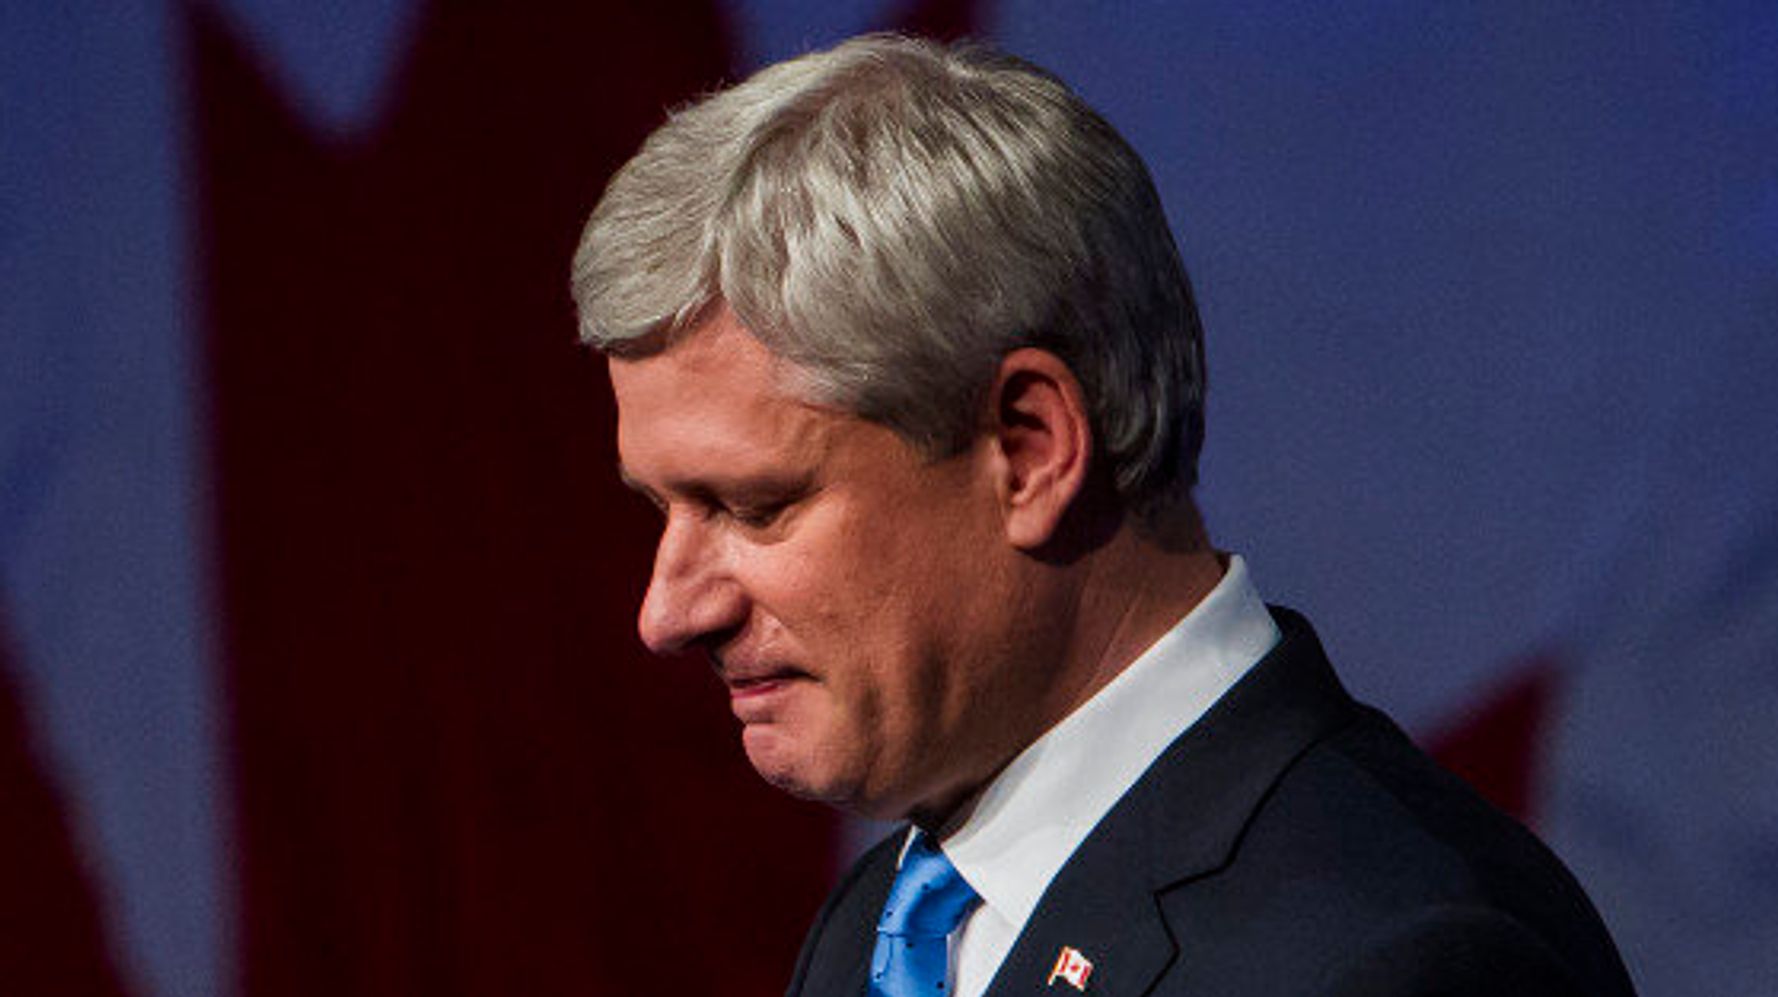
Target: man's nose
691, 596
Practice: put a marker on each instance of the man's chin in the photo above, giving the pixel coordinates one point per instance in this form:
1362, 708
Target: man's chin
781, 760
797, 768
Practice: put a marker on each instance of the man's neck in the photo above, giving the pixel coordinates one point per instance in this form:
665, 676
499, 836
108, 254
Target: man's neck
1103, 609
1134, 592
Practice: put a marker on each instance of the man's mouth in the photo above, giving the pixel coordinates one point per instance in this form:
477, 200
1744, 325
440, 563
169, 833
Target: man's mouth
740, 685
743, 688
753, 693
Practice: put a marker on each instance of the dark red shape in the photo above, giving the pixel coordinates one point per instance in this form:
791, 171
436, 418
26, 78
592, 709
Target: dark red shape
1499, 744
943, 20
52, 933
457, 771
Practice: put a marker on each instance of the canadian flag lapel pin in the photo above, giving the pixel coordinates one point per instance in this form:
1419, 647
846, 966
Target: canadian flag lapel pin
1072, 966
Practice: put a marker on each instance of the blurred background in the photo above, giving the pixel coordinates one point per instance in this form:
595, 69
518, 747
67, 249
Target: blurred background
317, 665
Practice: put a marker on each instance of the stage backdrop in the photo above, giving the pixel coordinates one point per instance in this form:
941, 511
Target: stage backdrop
317, 664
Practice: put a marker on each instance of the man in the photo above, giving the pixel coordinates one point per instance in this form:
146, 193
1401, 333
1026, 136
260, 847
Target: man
904, 353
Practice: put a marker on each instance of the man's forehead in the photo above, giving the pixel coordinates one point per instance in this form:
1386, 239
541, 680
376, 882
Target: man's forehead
718, 349
713, 340
716, 358
713, 404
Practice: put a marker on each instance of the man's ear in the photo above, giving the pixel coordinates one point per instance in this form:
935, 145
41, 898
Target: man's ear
1043, 443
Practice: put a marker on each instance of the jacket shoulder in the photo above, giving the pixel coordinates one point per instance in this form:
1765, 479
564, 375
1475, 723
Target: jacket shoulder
1384, 867
1457, 951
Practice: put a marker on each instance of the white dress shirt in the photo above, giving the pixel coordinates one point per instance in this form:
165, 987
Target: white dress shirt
1030, 819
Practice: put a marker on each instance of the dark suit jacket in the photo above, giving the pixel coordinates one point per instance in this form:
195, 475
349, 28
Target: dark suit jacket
1293, 841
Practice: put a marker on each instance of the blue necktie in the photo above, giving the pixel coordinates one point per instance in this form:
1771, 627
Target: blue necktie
926, 903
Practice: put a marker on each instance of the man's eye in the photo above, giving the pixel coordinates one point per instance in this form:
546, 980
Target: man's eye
758, 517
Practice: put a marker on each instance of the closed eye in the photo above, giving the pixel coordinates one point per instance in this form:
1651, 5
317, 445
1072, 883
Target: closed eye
756, 505
759, 517
769, 507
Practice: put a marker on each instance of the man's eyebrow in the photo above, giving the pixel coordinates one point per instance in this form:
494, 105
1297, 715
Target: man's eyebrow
640, 487
744, 488
630, 481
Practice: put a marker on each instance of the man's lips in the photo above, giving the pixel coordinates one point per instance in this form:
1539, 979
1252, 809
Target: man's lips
762, 682
752, 692
755, 688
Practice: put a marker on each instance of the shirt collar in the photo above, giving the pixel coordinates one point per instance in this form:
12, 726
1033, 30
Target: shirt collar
1033, 815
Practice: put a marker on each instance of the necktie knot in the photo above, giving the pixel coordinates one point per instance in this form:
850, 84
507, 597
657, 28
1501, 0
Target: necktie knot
927, 902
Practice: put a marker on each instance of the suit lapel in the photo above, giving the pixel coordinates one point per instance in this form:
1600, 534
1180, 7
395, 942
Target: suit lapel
1104, 910
840, 963
1182, 821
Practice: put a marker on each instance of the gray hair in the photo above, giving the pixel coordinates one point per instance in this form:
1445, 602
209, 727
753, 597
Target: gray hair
894, 216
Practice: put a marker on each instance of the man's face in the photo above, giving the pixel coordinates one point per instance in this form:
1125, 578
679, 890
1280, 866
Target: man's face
859, 600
